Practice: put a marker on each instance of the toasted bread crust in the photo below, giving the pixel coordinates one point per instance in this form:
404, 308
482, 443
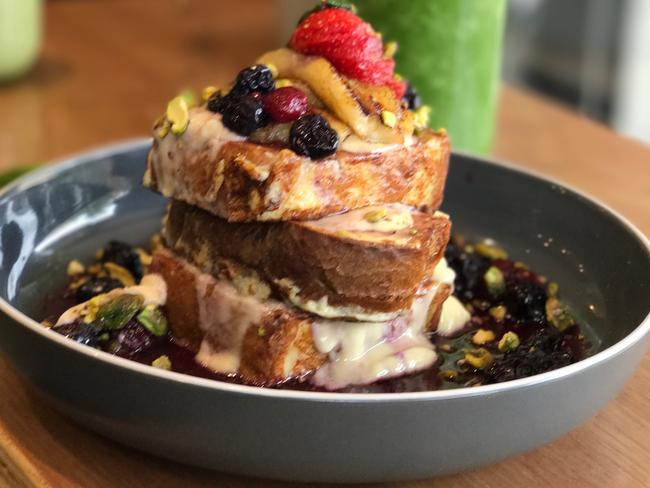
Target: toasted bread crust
277, 347
243, 181
318, 263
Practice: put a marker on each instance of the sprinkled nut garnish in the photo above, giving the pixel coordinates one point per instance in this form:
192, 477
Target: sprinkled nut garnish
508, 342
490, 251
494, 281
448, 374
119, 273
164, 129
421, 117
283, 82
344, 233
75, 267
520, 265
153, 320
479, 358
498, 313
375, 215
261, 331
207, 92
388, 118
483, 336
442, 131
558, 314
552, 289
190, 97
273, 69
116, 313
162, 362
413, 232
446, 348
178, 114
390, 48
145, 257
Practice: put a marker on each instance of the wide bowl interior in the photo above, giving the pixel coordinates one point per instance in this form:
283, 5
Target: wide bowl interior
68, 211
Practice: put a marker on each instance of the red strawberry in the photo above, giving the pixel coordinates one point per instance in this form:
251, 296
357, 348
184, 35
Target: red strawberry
349, 43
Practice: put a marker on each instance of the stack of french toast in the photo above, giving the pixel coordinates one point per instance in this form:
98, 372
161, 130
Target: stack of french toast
302, 240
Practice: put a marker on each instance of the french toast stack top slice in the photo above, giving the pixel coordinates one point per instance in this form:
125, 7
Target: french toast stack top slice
302, 240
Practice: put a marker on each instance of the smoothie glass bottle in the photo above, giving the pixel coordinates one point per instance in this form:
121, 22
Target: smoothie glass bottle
450, 50
20, 36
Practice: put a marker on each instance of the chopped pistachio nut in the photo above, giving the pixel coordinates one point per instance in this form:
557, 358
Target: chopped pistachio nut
145, 257
273, 68
155, 242
388, 118
413, 232
282, 82
119, 273
442, 131
498, 313
520, 265
75, 267
552, 289
483, 336
164, 129
421, 117
190, 96
494, 281
153, 320
448, 374
116, 313
375, 215
479, 358
208, 91
162, 362
390, 48
178, 114
558, 314
490, 251
508, 342
344, 233
261, 331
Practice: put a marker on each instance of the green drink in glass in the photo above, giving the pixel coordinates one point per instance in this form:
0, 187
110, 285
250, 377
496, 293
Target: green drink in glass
450, 50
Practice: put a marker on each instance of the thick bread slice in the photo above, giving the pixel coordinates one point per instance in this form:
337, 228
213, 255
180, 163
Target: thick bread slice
263, 341
238, 180
366, 264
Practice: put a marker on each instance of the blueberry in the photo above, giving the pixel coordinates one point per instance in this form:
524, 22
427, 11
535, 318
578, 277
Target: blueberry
258, 78
218, 103
245, 115
131, 339
312, 136
78, 331
123, 255
96, 286
411, 97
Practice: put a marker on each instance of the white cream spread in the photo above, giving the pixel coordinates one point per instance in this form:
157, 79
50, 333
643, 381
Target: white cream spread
205, 134
224, 315
152, 289
453, 317
356, 144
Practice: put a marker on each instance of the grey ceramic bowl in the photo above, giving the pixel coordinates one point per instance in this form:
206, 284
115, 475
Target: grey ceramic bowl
601, 262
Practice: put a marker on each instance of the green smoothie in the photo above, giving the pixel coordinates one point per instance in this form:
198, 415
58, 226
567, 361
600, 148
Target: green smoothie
450, 50
20, 36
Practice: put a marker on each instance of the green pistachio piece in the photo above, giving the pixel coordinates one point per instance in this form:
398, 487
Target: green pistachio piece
190, 96
494, 281
508, 342
479, 358
178, 114
498, 313
162, 362
153, 320
421, 117
116, 313
375, 216
388, 118
558, 314
490, 251
552, 289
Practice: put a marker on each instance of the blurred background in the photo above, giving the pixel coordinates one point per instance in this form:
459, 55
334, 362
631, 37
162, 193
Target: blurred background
105, 68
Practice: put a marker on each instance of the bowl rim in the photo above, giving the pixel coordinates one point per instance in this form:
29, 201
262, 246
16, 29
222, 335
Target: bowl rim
39, 176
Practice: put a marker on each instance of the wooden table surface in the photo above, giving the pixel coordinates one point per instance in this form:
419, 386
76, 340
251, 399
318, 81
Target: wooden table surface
107, 69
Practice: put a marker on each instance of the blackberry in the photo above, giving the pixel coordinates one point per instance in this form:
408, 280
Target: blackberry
412, 98
96, 286
526, 301
245, 115
469, 268
217, 102
258, 78
123, 255
313, 137
78, 331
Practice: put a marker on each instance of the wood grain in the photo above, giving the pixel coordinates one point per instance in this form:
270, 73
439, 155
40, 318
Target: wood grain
106, 71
